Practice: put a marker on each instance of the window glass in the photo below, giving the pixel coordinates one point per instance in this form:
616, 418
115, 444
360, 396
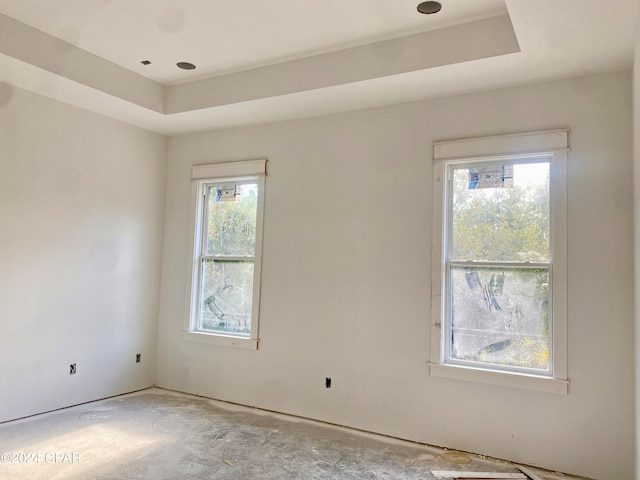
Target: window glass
500, 316
500, 213
227, 296
231, 222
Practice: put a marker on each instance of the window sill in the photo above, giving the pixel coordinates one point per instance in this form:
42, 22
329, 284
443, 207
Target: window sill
221, 340
505, 379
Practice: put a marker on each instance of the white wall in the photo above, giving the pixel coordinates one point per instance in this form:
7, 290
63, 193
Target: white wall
81, 214
346, 278
636, 237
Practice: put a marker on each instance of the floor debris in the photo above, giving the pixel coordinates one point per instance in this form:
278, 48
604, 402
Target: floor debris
483, 475
456, 457
529, 473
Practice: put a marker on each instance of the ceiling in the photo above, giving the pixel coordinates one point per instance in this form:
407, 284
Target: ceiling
263, 61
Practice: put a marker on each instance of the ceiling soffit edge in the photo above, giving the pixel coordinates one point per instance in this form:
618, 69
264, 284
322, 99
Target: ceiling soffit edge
475, 40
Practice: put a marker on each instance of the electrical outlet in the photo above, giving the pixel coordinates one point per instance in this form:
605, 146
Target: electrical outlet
138, 357
327, 382
72, 369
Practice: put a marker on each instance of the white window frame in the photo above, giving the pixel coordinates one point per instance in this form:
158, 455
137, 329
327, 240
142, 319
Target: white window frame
252, 171
551, 146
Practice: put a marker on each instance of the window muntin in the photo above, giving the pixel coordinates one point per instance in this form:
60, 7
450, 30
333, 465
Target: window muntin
497, 311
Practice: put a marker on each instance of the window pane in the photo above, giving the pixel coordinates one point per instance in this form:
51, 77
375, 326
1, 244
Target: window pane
231, 226
500, 316
227, 294
501, 213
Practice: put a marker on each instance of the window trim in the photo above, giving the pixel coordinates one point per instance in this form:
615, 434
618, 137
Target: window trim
202, 176
550, 144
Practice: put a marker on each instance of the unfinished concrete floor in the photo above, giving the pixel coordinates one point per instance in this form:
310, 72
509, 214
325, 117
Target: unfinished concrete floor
161, 435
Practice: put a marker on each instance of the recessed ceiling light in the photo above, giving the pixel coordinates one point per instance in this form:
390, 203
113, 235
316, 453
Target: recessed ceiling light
186, 65
145, 62
429, 7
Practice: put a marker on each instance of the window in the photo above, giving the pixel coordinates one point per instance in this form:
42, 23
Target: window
227, 245
499, 261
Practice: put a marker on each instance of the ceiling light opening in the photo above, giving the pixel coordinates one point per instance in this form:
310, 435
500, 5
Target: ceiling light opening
429, 7
186, 65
